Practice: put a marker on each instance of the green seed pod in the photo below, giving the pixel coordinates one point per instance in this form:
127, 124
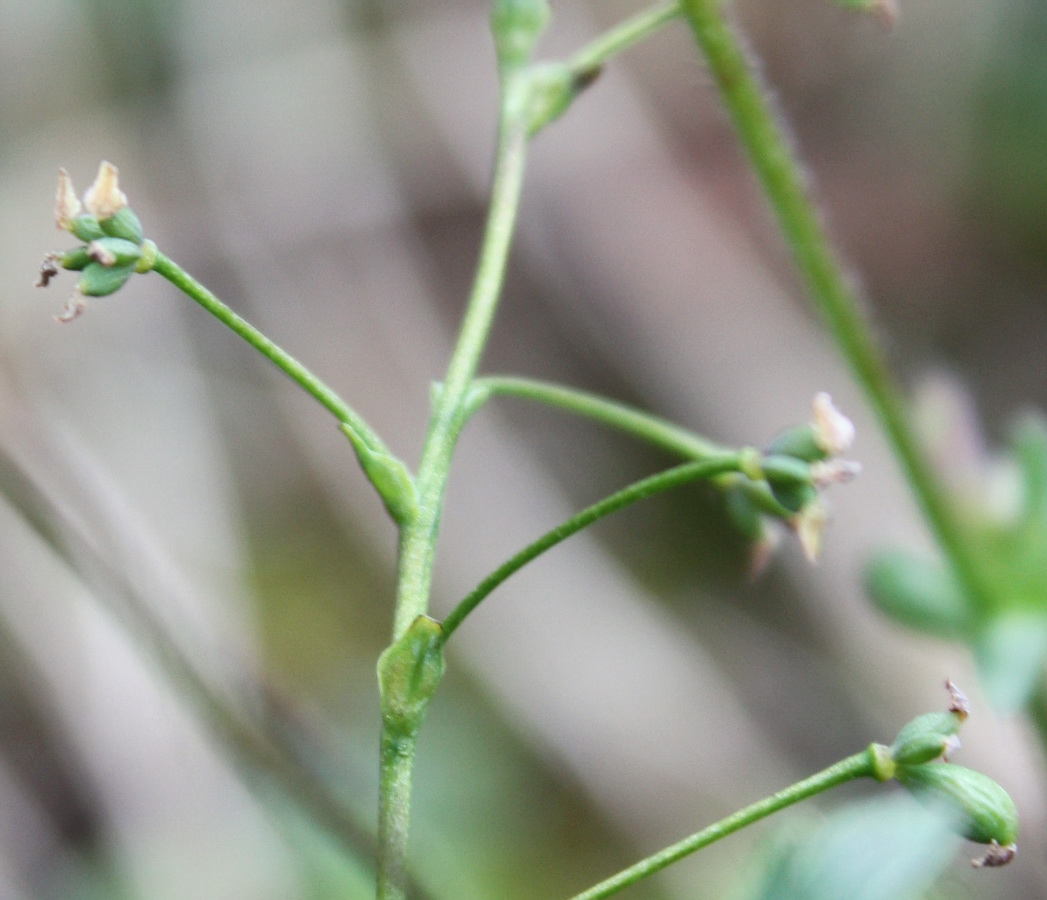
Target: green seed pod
99, 281
986, 812
926, 737
918, 593
86, 228
124, 225
111, 251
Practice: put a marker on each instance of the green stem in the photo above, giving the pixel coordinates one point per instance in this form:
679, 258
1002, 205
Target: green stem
858, 766
419, 539
282, 359
652, 429
623, 36
639, 490
418, 536
396, 761
785, 186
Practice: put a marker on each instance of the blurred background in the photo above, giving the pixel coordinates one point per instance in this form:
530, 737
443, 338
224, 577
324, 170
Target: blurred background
322, 166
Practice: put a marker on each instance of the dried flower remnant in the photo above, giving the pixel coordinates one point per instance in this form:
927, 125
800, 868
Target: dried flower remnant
104, 199
833, 431
67, 204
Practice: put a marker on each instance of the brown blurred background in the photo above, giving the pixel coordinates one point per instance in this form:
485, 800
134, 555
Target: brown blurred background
322, 167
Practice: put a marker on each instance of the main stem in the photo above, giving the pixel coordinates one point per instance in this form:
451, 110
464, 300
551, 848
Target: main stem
858, 766
418, 538
783, 181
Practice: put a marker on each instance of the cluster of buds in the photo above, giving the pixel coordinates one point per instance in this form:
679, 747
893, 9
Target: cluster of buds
919, 760
785, 482
113, 248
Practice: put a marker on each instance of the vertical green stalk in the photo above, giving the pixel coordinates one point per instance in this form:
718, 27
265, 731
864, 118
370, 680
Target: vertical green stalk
418, 538
783, 181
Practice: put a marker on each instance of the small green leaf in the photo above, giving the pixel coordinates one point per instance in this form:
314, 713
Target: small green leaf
409, 672
885, 849
389, 476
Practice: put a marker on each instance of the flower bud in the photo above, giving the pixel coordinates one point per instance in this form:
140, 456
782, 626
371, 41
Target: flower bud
98, 280
86, 228
927, 737
986, 812
111, 251
123, 224
789, 480
798, 442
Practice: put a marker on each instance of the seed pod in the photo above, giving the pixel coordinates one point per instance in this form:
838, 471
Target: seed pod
986, 812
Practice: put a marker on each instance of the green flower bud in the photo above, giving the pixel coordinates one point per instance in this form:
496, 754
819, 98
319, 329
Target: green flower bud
798, 442
123, 224
986, 812
99, 281
790, 481
918, 593
409, 672
86, 228
75, 260
112, 251
927, 737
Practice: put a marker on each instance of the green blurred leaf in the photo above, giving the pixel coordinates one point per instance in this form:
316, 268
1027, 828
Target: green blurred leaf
919, 593
1010, 653
891, 848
